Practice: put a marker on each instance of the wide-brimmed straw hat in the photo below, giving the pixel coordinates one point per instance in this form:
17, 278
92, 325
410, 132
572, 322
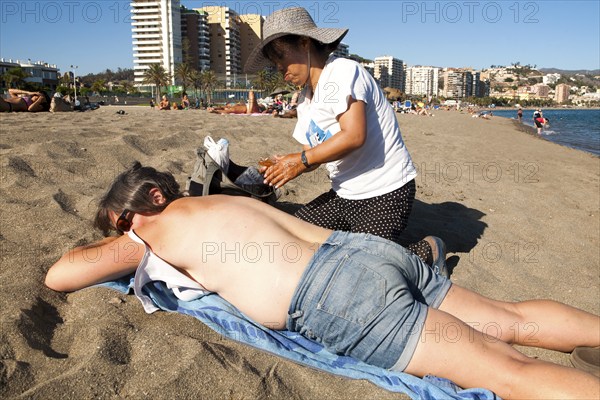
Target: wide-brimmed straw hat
290, 21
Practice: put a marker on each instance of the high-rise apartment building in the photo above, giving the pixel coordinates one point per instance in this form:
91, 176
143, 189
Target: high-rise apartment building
461, 83
389, 71
454, 84
225, 43
562, 91
343, 51
195, 39
250, 34
156, 33
422, 81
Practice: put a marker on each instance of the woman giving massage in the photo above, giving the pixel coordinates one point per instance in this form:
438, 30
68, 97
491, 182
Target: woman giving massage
22, 100
357, 294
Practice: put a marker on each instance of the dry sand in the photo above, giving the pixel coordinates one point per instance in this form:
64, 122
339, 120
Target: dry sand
520, 216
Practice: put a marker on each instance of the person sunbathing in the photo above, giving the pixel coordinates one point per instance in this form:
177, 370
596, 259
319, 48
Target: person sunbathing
23, 101
357, 294
251, 107
164, 104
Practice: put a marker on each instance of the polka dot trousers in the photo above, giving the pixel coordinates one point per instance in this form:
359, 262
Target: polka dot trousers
385, 216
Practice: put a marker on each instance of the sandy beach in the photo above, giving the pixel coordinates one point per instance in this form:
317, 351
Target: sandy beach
520, 216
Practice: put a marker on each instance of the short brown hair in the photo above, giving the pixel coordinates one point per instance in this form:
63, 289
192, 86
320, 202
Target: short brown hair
131, 190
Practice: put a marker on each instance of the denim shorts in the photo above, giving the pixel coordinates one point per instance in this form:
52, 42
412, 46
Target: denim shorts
366, 297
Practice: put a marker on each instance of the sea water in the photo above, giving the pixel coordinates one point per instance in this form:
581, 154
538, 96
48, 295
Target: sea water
576, 128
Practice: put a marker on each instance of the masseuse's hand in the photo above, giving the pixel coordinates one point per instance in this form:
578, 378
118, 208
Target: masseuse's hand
284, 170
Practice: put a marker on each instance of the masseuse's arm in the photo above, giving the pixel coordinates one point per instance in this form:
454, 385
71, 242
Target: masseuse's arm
352, 135
108, 259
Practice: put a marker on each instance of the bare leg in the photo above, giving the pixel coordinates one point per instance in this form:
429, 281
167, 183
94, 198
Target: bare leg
11, 104
252, 107
451, 349
539, 323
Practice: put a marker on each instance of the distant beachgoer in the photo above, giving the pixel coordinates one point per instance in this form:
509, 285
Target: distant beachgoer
251, 107
520, 114
538, 120
152, 104
24, 101
185, 101
291, 110
164, 104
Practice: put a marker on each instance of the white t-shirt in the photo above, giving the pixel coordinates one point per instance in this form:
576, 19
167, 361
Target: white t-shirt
383, 163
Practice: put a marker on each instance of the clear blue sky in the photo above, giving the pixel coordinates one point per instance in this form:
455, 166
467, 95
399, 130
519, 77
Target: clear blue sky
96, 35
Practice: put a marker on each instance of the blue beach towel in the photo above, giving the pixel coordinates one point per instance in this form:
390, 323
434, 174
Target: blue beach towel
225, 319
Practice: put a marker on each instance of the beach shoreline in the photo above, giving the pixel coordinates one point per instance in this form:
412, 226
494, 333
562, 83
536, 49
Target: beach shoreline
520, 217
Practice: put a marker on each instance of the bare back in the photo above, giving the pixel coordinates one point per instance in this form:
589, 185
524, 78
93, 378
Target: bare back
250, 253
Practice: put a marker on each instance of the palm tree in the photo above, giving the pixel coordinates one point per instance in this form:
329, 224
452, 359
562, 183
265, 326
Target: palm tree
209, 82
128, 87
16, 75
156, 75
66, 79
99, 86
266, 81
262, 80
278, 81
196, 81
183, 73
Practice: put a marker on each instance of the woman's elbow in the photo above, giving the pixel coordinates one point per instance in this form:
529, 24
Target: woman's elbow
57, 278
53, 282
357, 142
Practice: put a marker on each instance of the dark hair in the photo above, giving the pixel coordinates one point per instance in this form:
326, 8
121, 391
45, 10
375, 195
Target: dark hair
46, 104
131, 190
277, 48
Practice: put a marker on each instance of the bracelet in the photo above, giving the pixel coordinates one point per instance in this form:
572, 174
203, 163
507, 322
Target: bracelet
304, 160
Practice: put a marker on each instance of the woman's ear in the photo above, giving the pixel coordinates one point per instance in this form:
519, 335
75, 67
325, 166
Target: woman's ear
157, 197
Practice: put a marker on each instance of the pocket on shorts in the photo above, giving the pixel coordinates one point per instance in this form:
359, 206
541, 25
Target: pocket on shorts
355, 293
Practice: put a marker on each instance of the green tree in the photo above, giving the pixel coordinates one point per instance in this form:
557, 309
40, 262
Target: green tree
66, 79
183, 73
196, 81
128, 87
99, 86
267, 81
278, 81
156, 75
261, 82
209, 82
15, 77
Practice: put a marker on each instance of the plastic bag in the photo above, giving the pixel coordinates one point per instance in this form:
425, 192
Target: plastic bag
218, 151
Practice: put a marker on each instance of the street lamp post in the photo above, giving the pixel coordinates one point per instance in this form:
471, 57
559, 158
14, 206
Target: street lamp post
74, 67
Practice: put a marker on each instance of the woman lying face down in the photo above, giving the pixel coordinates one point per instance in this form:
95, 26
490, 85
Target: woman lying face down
23, 101
385, 305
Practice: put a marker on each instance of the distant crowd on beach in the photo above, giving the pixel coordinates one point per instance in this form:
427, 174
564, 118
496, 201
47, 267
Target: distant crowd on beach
275, 105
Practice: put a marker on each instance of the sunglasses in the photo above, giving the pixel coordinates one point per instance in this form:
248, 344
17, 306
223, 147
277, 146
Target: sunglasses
123, 222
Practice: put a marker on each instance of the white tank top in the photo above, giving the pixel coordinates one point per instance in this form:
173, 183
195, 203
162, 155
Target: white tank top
153, 268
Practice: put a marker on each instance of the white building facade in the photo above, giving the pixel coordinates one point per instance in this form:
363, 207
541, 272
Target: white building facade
422, 81
38, 72
156, 34
390, 72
